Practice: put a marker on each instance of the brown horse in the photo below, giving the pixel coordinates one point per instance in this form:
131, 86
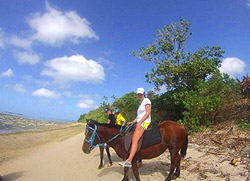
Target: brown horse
174, 137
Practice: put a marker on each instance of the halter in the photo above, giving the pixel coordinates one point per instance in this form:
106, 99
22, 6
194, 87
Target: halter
92, 137
95, 134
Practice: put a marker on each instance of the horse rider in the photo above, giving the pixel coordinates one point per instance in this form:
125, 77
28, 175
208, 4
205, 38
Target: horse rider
120, 120
111, 117
143, 120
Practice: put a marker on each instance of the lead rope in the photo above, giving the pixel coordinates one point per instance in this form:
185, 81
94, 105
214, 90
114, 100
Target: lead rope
122, 131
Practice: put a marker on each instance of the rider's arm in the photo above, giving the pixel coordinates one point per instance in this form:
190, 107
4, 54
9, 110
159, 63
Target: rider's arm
132, 121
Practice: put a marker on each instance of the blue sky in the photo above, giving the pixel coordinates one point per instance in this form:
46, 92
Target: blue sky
59, 58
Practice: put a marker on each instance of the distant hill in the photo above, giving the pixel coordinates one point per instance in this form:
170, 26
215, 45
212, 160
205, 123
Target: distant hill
8, 113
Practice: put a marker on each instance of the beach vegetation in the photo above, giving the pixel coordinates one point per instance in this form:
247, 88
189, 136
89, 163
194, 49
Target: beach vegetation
188, 85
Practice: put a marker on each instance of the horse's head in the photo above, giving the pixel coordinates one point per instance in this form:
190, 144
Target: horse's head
91, 137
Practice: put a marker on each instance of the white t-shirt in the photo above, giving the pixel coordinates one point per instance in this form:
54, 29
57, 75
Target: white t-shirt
142, 111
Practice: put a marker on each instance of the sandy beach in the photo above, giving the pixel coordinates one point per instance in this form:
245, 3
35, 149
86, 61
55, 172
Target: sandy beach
15, 144
57, 155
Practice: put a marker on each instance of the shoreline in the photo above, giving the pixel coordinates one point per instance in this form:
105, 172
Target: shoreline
67, 125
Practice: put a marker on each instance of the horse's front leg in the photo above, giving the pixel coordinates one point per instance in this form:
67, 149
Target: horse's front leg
135, 169
109, 157
125, 178
101, 157
139, 163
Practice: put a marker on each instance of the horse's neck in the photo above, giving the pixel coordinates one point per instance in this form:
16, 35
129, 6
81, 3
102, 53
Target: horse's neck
107, 133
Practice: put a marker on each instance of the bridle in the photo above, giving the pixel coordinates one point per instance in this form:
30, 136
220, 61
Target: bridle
91, 140
92, 137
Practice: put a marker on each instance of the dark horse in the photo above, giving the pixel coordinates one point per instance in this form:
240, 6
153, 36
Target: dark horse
174, 137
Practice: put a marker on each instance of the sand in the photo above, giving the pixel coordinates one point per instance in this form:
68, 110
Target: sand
57, 155
14, 144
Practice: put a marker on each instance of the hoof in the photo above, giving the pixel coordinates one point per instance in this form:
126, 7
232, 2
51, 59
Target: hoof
100, 167
174, 177
109, 164
139, 164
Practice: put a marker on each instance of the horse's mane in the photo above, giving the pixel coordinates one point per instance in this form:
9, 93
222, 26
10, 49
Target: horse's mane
104, 124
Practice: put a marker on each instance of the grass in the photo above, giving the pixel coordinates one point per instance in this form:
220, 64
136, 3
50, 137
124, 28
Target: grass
244, 124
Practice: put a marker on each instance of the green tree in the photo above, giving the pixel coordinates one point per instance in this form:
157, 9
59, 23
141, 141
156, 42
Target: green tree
97, 115
174, 67
210, 103
191, 96
81, 118
113, 97
105, 102
127, 105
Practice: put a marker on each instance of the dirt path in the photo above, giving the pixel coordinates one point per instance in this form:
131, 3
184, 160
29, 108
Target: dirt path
64, 160
59, 161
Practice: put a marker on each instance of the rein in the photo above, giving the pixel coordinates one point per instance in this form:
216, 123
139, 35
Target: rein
95, 134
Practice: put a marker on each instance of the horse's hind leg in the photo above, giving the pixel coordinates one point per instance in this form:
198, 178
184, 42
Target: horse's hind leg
135, 169
125, 178
109, 157
175, 158
177, 171
101, 157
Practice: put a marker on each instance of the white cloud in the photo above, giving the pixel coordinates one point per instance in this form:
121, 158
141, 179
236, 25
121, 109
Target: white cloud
21, 42
25, 57
233, 66
17, 88
8, 73
87, 104
46, 93
73, 69
54, 27
248, 3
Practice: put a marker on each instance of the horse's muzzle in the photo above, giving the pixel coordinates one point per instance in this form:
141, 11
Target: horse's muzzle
86, 150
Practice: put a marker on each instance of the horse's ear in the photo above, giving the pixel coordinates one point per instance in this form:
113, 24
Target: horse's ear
89, 120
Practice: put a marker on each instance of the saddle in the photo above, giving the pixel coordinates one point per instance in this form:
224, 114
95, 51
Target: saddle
150, 137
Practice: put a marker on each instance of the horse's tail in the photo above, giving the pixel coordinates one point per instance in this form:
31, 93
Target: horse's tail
184, 147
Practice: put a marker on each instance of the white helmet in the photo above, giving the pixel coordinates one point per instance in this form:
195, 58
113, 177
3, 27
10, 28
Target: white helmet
116, 110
